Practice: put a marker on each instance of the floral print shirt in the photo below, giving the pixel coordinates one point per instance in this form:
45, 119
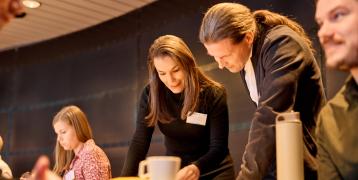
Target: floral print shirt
90, 163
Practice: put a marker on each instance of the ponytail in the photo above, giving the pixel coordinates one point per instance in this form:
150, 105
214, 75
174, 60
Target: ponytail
272, 19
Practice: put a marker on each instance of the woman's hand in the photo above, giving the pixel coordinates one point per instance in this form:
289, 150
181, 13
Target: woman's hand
190, 172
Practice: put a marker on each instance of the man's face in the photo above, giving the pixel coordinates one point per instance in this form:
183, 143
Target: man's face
8, 9
229, 55
338, 32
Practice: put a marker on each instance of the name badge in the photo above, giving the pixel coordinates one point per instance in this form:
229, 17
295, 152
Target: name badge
197, 118
70, 175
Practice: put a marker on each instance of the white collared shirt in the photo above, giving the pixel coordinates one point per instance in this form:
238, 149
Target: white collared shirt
251, 80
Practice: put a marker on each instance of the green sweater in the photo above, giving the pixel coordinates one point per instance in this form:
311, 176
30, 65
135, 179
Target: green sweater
337, 135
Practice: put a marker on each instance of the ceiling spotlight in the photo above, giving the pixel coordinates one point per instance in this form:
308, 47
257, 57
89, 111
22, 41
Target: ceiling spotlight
31, 4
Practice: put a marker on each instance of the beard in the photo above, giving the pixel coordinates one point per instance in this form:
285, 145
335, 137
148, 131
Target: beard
346, 62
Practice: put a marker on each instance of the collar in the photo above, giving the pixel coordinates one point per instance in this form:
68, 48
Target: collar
87, 143
79, 154
351, 92
248, 62
179, 97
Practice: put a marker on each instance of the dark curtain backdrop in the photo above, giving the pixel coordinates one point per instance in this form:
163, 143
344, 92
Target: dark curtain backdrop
103, 70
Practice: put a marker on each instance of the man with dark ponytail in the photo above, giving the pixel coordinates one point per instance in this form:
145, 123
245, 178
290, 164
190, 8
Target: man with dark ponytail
275, 59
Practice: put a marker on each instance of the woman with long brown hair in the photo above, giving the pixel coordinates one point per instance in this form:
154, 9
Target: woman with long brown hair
189, 108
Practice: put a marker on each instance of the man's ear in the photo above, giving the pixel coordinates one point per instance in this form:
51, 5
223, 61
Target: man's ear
249, 37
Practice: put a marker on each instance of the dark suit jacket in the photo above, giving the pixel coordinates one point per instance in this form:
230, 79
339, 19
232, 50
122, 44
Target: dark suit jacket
288, 79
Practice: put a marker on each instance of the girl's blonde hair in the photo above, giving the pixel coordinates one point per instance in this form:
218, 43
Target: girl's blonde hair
73, 116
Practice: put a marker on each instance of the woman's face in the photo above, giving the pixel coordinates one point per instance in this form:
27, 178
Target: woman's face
66, 136
170, 73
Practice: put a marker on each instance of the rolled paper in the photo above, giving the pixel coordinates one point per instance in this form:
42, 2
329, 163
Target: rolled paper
289, 146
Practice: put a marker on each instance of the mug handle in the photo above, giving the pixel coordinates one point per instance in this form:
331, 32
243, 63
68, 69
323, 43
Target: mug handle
141, 172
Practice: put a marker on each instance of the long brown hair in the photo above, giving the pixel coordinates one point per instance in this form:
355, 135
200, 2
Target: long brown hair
1, 143
175, 48
76, 118
233, 20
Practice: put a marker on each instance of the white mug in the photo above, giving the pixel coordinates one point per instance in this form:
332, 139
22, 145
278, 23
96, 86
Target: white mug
159, 167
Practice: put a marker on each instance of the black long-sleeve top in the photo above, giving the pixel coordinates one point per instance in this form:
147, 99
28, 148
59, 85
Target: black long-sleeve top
205, 146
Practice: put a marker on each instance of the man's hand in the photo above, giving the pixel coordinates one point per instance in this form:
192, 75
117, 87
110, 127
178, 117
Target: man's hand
10, 9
